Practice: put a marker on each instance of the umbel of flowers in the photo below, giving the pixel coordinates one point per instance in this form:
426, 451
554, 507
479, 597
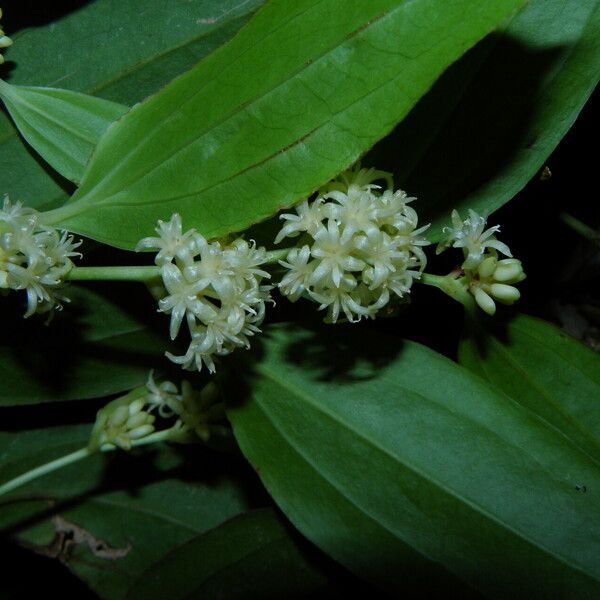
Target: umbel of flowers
359, 246
487, 277
215, 287
33, 257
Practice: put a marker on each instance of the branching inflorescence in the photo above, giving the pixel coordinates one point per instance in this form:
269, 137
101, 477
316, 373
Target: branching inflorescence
358, 248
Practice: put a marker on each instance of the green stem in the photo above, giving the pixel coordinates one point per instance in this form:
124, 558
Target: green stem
142, 274
452, 286
54, 465
42, 470
581, 228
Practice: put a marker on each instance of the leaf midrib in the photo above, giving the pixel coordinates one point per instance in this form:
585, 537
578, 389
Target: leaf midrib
452, 493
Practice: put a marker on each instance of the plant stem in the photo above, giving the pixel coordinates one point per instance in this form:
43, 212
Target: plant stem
142, 274
451, 286
581, 228
63, 461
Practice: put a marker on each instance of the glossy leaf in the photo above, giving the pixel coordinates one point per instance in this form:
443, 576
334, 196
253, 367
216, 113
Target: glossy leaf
255, 555
91, 349
95, 50
137, 507
64, 127
493, 119
299, 94
542, 368
401, 464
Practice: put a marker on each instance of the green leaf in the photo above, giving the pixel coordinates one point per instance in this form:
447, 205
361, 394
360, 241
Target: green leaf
255, 555
493, 119
96, 49
401, 464
64, 127
542, 368
137, 507
298, 95
93, 348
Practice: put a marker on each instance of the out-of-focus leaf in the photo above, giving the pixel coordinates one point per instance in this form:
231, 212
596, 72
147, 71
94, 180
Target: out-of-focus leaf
97, 50
407, 468
64, 127
255, 555
493, 119
91, 349
110, 517
298, 95
544, 369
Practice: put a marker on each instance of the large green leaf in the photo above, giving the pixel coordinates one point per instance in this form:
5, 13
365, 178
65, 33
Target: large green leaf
542, 368
136, 507
93, 348
254, 555
97, 49
299, 94
401, 464
492, 120
63, 126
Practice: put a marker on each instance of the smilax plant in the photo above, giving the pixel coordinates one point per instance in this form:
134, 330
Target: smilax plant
191, 203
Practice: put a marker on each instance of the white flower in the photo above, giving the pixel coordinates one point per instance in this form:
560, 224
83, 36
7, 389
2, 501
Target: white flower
163, 397
214, 288
307, 219
33, 257
362, 245
170, 242
472, 236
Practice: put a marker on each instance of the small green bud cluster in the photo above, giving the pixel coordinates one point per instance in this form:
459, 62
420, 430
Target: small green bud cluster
492, 281
487, 278
5, 41
131, 418
123, 421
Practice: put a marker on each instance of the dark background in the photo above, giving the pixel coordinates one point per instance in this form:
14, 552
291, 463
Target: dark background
563, 268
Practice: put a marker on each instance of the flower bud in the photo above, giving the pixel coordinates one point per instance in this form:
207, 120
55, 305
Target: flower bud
507, 294
509, 270
485, 302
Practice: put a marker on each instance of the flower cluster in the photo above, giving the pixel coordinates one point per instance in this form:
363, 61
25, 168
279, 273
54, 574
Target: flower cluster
5, 41
215, 287
33, 257
129, 419
487, 278
198, 412
492, 281
360, 246
122, 422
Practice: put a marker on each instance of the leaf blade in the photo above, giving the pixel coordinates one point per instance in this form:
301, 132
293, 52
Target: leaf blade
127, 65
64, 127
406, 458
302, 121
544, 369
476, 139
